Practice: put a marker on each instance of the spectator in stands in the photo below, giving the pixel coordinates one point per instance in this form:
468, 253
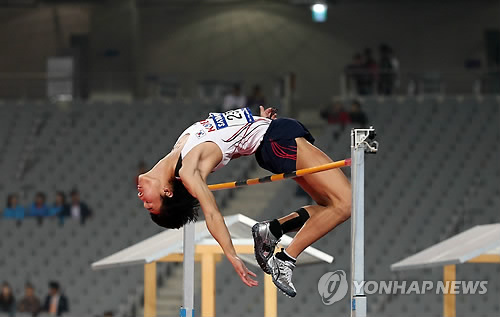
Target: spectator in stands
370, 72
77, 210
55, 303
13, 209
357, 116
336, 115
108, 314
355, 74
234, 99
30, 303
59, 205
141, 169
389, 66
7, 300
39, 209
60, 208
256, 99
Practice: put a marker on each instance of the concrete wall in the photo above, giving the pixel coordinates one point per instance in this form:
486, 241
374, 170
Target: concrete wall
114, 48
27, 38
254, 42
272, 39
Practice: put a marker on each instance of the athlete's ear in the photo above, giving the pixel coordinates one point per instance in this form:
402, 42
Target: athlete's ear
168, 192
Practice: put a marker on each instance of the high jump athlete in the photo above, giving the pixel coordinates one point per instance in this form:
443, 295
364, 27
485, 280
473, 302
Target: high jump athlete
176, 186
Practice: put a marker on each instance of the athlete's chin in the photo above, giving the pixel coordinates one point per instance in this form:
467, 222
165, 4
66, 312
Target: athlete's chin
144, 182
140, 180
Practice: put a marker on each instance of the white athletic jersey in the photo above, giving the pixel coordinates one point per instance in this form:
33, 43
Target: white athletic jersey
234, 131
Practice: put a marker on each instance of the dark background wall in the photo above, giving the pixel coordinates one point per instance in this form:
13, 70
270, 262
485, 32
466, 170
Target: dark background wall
426, 36
256, 42
29, 36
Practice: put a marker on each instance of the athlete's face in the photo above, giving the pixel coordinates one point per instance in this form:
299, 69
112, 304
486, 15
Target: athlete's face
150, 192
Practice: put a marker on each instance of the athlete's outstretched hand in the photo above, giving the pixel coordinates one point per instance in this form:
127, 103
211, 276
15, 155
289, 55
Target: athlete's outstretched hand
269, 113
244, 273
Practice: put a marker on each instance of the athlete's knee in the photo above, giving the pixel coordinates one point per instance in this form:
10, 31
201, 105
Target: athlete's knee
347, 208
340, 206
341, 201
344, 209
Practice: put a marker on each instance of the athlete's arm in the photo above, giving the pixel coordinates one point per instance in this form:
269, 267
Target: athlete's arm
215, 222
196, 185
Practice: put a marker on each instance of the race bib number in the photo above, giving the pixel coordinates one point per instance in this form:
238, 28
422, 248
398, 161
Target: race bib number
232, 118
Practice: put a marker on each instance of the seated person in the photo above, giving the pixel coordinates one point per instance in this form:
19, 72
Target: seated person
77, 209
7, 300
30, 303
55, 303
59, 207
39, 209
13, 209
234, 99
357, 115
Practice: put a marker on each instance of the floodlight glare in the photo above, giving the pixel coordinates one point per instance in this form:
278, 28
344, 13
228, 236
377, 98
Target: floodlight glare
319, 12
319, 8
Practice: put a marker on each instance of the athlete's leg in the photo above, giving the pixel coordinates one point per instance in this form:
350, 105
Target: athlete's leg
332, 192
288, 219
291, 216
315, 195
266, 235
330, 189
331, 185
295, 214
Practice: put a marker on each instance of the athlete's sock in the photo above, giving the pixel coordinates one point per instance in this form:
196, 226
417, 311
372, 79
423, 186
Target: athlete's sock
295, 223
284, 256
275, 227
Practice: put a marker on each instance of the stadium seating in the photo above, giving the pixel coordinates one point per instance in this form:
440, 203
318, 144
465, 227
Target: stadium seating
436, 174
96, 148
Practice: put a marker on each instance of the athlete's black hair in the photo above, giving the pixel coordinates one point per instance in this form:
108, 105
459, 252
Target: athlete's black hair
177, 210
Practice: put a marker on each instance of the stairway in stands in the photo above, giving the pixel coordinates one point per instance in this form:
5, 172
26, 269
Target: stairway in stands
251, 200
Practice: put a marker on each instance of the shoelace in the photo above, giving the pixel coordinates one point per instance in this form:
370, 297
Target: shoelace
285, 270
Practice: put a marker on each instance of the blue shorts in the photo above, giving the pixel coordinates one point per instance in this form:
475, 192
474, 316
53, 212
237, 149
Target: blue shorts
277, 152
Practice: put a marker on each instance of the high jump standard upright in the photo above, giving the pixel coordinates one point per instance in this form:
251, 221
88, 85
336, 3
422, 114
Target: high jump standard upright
362, 141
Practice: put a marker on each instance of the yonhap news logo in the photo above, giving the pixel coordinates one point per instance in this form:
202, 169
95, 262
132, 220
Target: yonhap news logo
333, 286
